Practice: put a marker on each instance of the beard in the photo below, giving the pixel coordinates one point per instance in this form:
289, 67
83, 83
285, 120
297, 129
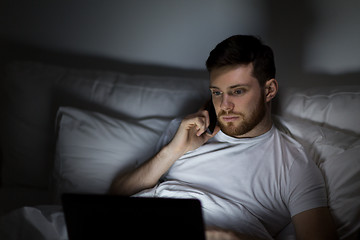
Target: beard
247, 122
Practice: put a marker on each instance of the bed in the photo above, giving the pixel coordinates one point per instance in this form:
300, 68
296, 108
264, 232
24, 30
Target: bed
71, 129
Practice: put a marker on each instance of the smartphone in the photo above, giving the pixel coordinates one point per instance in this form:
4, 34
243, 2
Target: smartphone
212, 114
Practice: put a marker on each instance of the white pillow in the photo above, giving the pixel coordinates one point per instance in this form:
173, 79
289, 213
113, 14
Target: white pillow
31, 94
93, 148
336, 107
338, 156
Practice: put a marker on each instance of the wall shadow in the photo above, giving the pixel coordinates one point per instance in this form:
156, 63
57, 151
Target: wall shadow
16, 51
289, 25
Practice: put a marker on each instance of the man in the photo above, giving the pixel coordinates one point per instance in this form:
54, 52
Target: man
252, 179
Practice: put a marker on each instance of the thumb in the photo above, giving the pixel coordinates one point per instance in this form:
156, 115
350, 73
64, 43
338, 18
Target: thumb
216, 130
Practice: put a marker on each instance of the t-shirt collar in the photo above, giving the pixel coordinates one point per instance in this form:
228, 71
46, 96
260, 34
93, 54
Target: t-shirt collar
221, 136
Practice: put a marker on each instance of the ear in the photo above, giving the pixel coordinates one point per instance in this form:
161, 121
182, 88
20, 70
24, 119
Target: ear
271, 89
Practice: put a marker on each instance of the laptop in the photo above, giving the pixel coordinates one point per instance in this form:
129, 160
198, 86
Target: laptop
91, 216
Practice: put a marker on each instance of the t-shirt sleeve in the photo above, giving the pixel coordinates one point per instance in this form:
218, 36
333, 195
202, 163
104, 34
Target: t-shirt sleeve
307, 186
168, 134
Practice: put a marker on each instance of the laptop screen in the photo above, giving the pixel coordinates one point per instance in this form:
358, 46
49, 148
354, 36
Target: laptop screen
91, 216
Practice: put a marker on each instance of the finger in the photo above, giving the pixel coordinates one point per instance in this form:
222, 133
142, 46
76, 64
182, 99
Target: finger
201, 130
201, 124
200, 120
207, 118
216, 130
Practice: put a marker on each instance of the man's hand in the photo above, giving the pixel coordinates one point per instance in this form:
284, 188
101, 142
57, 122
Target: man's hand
316, 223
192, 133
221, 234
216, 234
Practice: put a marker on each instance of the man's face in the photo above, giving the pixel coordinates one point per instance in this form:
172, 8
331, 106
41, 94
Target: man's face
238, 100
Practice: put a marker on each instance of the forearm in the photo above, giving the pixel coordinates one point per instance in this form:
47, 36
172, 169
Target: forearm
316, 223
146, 175
190, 135
221, 234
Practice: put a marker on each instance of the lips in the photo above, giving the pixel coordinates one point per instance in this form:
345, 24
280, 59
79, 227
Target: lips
230, 118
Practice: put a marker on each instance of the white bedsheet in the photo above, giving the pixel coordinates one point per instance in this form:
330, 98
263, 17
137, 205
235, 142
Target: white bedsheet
217, 211
34, 223
48, 222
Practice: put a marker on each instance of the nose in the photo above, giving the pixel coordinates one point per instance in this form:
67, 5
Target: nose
226, 103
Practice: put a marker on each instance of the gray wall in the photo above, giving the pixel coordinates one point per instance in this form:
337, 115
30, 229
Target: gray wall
315, 41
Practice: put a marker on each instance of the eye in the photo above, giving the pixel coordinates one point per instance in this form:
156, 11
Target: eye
215, 93
238, 91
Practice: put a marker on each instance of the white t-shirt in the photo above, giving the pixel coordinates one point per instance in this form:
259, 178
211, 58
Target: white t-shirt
246, 184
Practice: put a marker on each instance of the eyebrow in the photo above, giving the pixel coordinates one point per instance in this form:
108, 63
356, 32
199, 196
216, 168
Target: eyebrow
233, 86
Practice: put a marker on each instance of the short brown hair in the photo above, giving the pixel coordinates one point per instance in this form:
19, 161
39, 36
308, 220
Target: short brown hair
244, 49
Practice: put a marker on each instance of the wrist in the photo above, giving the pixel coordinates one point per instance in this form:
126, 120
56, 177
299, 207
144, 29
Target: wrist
174, 151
